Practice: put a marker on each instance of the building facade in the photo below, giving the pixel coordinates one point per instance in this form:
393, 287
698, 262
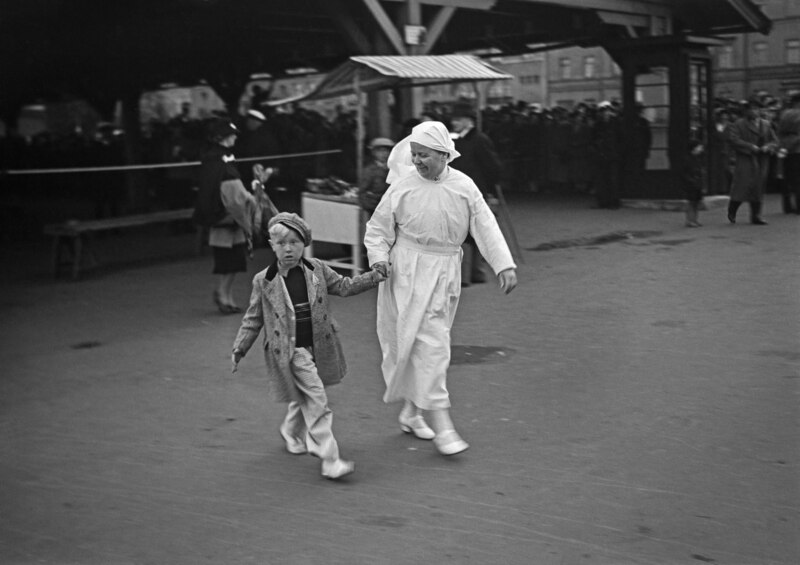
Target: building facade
743, 64
752, 63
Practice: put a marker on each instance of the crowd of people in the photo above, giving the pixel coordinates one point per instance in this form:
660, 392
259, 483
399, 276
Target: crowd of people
542, 149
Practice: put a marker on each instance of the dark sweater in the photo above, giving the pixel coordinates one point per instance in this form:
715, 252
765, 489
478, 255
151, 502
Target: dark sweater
298, 292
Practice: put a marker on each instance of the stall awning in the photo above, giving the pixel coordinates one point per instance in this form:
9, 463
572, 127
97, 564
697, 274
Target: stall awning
369, 73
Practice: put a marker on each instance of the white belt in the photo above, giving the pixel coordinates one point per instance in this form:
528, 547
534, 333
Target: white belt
404, 241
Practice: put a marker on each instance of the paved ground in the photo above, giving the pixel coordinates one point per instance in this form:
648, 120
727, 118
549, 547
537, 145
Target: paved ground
634, 401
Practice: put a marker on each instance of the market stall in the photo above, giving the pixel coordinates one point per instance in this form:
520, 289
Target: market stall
376, 72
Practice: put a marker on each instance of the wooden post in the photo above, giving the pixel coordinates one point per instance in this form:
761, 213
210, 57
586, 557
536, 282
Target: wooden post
478, 106
359, 126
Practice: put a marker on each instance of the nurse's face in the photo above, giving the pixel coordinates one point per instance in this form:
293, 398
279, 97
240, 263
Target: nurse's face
429, 162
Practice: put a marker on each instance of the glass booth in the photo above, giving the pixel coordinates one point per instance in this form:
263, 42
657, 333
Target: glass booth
666, 83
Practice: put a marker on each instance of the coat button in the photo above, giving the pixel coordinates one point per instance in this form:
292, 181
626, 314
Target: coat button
325, 317
276, 351
319, 299
277, 332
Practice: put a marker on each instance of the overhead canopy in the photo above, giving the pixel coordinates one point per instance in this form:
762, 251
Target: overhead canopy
369, 73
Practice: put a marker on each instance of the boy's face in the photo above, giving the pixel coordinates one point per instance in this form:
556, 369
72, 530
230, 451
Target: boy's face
288, 249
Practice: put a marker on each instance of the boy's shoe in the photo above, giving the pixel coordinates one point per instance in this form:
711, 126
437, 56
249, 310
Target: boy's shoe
449, 442
416, 425
295, 446
337, 469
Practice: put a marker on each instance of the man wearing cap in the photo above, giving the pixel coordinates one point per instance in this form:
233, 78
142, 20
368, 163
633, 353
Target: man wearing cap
479, 162
373, 178
302, 350
257, 140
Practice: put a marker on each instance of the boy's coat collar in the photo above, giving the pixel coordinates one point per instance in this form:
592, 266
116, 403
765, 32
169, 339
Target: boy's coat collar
272, 270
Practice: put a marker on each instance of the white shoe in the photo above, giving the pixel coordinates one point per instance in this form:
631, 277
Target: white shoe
416, 425
294, 445
337, 469
449, 443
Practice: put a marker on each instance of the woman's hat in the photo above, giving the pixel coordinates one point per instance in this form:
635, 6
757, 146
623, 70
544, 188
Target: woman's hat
293, 222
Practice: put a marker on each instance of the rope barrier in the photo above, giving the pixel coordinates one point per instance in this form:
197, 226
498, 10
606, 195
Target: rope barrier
159, 165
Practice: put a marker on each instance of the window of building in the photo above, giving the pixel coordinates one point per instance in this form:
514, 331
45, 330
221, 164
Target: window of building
725, 57
565, 68
760, 53
793, 51
589, 66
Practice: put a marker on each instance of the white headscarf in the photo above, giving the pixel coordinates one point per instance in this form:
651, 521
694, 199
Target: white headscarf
433, 135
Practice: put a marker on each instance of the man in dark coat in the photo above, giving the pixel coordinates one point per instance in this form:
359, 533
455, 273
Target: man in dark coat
257, 140
480, 162
789, 135
607, 150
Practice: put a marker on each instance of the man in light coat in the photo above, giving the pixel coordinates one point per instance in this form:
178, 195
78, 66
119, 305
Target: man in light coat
753, 141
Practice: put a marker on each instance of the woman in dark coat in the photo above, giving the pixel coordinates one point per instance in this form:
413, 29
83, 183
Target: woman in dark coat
228, 210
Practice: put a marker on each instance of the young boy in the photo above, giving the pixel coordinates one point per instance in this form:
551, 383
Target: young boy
302, 350
693, 173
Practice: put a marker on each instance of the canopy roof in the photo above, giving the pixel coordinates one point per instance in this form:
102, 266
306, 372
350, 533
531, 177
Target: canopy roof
381, 72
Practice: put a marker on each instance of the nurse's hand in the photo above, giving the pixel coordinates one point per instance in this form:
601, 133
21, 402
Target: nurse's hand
236, 356
383, 267
508, 280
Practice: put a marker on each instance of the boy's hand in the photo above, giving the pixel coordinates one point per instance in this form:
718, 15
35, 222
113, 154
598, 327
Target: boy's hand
508, 280
236, 356
384, 268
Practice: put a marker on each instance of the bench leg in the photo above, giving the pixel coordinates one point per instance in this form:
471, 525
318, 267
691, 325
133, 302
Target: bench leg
88, 251
56, 254
76, 256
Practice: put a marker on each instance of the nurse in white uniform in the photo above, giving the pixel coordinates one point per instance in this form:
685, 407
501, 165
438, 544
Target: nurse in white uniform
415, 237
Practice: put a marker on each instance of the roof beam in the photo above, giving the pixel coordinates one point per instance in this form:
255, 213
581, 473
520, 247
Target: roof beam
344, 20
436, 27
753, 17
386, 25
468, 4
641, 7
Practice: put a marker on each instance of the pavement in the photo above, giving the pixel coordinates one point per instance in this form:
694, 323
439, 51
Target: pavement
635, 400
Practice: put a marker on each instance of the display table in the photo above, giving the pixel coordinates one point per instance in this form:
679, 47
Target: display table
334, 219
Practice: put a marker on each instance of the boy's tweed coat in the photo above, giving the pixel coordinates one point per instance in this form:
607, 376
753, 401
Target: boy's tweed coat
271, 308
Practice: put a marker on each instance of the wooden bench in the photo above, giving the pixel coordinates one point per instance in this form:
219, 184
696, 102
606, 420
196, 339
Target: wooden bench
74, 236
